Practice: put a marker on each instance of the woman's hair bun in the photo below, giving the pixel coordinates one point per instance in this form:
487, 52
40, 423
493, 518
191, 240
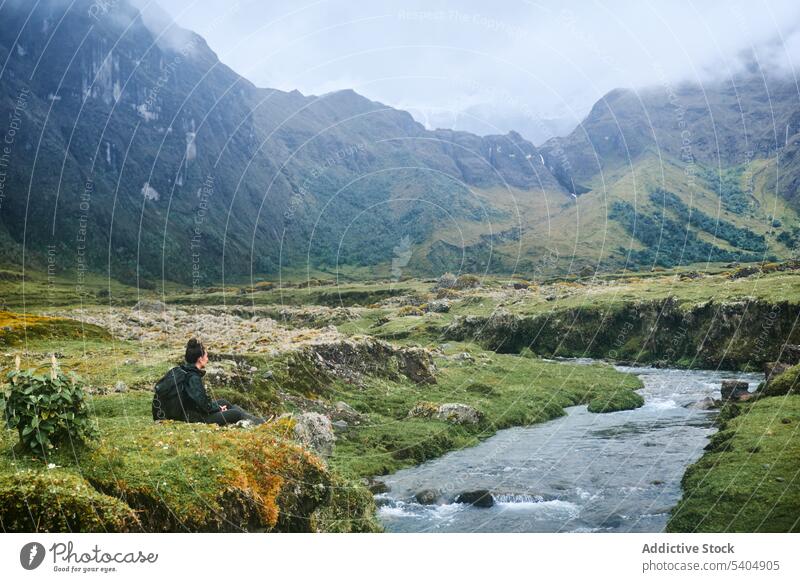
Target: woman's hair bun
194, 350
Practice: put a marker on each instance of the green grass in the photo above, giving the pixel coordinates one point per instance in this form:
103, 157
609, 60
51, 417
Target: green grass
750, 480
173, 476
508, 390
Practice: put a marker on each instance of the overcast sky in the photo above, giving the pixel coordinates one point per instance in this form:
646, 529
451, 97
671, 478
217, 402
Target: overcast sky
490, 66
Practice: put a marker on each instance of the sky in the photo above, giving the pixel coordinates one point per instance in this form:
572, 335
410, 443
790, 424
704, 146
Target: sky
491, 66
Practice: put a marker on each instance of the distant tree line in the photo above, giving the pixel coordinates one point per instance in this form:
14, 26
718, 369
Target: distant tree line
739, 237
669, 243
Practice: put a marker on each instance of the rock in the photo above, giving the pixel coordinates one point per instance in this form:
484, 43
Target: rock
427, 497
459, 413
477, 498
439, 306
706, 403
446, 281
734, 389
518, 285
244, 423
343, 412
120, 387
375, 486
340, 425
315, 432
349, 359
791, 354
774, 369
464, 357
453, 412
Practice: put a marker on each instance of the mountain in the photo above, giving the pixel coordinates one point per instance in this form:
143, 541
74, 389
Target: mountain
716, 124
131, 150
140, 154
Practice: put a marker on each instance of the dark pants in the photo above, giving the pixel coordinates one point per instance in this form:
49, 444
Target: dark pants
232, 415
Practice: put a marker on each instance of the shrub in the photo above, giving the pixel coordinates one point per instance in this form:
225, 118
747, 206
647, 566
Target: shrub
446, 281
46, 410
408, 310
467, 282
446, 294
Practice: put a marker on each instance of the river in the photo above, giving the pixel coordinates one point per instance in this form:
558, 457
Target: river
583, 472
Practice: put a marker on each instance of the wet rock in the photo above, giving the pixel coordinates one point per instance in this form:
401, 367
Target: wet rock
706, 403
315, 432
375, 486
477, 498
427, 497
734, 390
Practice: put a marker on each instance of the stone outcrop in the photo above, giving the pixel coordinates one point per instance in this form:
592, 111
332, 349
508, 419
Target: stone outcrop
734, 390
350, 359
314, 431
708, 334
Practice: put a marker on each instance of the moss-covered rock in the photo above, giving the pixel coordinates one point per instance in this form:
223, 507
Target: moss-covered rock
59, 501
786, 383
174, 476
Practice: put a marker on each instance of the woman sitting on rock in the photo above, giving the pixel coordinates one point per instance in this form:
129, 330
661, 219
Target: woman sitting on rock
194, 404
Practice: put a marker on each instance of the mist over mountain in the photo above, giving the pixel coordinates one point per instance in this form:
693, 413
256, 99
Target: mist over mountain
135, 152
153, 151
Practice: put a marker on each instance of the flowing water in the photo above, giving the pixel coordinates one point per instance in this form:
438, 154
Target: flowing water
618, 471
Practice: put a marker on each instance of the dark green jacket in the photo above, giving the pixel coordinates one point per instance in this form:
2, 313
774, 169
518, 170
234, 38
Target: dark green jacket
195, 390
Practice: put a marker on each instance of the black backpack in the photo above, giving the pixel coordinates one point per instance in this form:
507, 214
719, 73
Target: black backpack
169, 395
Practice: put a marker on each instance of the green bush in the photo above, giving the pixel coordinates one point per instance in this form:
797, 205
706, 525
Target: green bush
47, 410
467, 282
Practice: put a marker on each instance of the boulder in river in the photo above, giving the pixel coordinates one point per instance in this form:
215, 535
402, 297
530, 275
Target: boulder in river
427, 496
735, 390
477, 498
706, 403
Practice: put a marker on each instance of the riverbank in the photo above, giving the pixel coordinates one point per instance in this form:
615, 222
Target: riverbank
583, 472
395, 374
749, 478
